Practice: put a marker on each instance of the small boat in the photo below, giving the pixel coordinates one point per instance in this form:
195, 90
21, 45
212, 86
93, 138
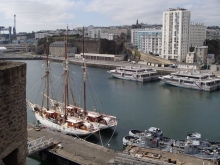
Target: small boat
134, 73
153, 130
127, 139
192, 80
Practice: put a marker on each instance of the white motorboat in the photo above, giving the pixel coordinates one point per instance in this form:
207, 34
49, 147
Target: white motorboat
192, 80
134, 73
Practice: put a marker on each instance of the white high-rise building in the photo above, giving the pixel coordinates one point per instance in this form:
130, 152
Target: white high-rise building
149, 41
176, 34
197, 34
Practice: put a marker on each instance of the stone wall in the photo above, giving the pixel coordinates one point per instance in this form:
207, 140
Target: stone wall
13, 115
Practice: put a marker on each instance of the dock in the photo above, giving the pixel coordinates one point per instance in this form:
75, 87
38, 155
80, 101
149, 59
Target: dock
72, 150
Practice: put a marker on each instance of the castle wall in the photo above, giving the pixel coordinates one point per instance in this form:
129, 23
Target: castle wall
13, 115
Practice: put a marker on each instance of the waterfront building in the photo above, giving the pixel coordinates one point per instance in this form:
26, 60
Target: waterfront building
175, 34
134, 36
190, 57
19, 47
150, 41
57, 48
201, 54
210, 59
197, 34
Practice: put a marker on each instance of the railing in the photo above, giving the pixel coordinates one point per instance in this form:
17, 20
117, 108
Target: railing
38, 145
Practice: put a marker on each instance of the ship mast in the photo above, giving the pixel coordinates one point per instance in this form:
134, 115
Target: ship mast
84, 72
47, 73
66, 70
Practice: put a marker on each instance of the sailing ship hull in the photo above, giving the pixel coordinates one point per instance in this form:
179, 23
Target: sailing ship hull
61, 129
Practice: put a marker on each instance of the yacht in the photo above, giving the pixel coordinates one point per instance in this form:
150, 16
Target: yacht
192, 80
134, 73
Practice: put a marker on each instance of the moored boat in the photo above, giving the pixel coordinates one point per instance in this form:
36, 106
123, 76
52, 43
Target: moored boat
134, 73
192, 80
192, 146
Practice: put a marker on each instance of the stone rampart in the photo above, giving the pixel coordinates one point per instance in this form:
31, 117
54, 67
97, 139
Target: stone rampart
13, 115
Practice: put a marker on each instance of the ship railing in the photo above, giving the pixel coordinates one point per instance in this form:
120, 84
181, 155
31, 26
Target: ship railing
39, 144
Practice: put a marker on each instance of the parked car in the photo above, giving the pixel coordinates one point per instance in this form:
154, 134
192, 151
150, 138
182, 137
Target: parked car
133, 62
173, 66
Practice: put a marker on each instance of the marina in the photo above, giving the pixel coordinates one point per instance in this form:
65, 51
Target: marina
164, 106
193, 145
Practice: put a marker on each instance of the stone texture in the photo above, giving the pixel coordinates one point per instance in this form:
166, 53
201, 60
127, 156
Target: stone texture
13, 115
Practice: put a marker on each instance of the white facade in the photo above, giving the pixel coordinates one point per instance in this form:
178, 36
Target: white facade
176, 34
40, 35
190, 57
201, 54
197, 34
134, 36
94, 33
150, 41
210, 58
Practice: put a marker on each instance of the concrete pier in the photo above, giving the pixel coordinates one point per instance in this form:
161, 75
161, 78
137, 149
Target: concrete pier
74, 149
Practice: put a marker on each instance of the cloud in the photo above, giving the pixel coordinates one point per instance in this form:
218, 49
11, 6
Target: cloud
128, 11
36, 14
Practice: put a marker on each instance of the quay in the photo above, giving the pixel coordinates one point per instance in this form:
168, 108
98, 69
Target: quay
72, 150
161, 69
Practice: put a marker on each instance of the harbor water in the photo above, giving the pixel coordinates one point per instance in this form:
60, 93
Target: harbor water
176, 111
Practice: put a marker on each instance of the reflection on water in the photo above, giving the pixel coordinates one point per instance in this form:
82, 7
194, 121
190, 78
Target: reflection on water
176, 111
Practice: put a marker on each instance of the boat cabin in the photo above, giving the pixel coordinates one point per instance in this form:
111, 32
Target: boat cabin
96, 117
78, 124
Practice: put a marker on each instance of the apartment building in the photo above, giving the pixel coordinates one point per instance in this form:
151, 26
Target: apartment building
106, 33
197, 34
150, 41
201, 54
190, 57
175, 34
134, 36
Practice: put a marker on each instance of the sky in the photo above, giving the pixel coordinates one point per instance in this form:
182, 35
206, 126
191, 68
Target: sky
36, 15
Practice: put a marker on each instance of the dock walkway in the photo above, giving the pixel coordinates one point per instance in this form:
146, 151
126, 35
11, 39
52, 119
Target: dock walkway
75, 149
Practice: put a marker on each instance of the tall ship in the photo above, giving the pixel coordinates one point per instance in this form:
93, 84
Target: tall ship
93, 116
192, 80
134, 73
59, 118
